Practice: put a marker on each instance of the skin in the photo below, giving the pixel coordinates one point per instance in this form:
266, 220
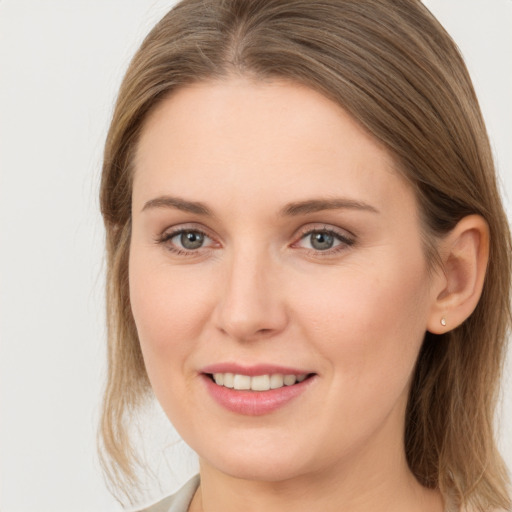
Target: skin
258, 291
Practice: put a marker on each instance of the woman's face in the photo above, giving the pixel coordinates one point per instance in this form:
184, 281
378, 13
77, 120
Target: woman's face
272, 236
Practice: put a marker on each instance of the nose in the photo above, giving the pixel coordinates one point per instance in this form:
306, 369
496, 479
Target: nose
251, 303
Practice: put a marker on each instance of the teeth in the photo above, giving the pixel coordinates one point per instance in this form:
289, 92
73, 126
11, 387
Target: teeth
276, 381
229, 380
258, 382
242, 382
289, 380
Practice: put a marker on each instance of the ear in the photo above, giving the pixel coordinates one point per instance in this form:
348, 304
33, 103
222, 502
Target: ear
458, 286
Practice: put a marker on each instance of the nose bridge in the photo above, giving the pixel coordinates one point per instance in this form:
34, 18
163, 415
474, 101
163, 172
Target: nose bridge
251, 303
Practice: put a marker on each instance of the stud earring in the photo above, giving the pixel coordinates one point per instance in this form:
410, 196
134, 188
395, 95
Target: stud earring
443, 321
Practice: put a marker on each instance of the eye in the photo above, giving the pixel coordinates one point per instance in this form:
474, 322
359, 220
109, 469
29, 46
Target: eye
321, 241
190, 240
324, 240
185, 241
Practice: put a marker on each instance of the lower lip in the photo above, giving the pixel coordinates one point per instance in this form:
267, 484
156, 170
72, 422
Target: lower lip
255, 403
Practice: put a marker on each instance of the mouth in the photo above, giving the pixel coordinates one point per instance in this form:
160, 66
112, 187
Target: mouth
255, 395
257, 383
256, 389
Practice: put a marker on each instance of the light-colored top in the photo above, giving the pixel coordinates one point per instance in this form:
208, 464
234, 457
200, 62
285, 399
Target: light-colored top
178, 502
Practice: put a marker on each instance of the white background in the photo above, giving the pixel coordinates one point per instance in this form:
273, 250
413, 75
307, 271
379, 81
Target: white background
61, 62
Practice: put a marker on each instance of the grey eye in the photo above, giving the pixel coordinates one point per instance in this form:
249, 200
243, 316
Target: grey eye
191, 240
321, 241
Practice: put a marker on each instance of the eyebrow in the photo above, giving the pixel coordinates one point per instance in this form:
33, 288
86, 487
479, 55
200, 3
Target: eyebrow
318, 205
179, 204
289, 210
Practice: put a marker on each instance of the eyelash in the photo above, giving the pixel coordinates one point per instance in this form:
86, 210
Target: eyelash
345, 241
169, 235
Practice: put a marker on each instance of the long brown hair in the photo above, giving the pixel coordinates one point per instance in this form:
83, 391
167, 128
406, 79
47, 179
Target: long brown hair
392, 66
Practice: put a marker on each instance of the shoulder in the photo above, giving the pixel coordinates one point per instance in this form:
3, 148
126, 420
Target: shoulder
178, 502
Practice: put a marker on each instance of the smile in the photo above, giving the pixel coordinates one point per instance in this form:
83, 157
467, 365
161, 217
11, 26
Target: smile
267, 382
255, 395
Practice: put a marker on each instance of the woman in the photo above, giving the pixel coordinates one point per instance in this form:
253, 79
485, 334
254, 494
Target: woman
308, 260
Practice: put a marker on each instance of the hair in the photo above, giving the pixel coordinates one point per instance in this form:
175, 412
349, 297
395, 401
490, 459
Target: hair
395, 70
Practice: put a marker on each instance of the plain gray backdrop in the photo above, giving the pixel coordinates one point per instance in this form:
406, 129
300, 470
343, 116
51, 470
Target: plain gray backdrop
61, 62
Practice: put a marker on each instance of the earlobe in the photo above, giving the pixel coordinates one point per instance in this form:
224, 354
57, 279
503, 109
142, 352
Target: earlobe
464, 254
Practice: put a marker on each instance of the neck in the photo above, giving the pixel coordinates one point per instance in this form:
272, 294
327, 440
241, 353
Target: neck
367, 481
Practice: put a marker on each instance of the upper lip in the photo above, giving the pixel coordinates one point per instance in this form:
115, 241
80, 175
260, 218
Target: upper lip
253, 370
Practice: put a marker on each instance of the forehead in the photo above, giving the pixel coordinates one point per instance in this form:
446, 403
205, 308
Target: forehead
248, 139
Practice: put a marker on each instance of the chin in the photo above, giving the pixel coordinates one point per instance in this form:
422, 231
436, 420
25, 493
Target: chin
261, 470
265, 464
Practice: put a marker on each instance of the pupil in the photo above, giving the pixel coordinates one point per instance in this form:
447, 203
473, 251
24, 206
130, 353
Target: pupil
322, 241
191, 240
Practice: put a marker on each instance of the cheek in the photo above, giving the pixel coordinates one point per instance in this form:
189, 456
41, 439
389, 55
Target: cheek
169, 308
369, 320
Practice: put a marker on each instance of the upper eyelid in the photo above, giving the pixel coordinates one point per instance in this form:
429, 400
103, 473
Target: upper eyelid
164, 236
167, 235
342, 232
171, 231
303, 231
